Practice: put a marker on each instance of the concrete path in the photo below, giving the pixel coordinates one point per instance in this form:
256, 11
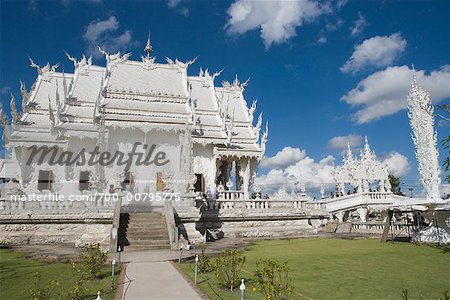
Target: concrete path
156, 280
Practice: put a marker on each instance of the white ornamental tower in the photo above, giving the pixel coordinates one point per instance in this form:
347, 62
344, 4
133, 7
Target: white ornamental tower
421, 119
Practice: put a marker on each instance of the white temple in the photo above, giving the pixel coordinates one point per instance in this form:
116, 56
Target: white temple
151, 129
202, 129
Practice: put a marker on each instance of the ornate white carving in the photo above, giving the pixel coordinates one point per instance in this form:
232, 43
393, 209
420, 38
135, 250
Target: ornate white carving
359, 173
264, 140
44, 69
116, 57
14, 113
5, 126
236, 85
421, 119
78, 64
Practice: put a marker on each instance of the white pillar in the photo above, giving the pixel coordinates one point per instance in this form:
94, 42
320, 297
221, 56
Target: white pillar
362, 212
246, 179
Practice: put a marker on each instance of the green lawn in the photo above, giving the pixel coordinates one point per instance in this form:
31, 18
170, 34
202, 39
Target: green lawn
325, 268
17, 277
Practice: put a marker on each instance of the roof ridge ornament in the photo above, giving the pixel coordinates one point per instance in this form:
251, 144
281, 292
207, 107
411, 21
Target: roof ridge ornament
252, 110
257, 128
116, 57
82, 62
25, 96
264, 139
14, 113
236, 85
44, 69
205, 73
5, 124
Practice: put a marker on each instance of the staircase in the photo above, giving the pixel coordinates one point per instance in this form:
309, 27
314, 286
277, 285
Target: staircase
139, 231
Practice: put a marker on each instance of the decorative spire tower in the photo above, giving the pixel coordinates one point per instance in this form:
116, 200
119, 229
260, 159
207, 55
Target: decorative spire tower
421, 120
148, 47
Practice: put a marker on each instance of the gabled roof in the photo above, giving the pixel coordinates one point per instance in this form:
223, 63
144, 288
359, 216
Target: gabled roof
46, 86
87, 83
208, 124
155, 79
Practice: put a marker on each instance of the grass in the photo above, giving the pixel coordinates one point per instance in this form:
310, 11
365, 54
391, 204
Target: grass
327, 268
17, 277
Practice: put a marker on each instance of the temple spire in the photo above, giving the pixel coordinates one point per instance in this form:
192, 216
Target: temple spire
414, 82
148, 47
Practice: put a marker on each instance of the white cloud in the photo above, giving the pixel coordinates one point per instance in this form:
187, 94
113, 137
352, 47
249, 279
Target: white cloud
5, 90
175, 4
302, 168
379, 51
384, 93
398, 164
103, 33
283, 158
277, 20
322, 38
358, 25
341, 142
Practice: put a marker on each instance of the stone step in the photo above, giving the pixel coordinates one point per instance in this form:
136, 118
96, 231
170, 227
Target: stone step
145, 248
143, 231
146, 229
131, 221
149, 242
141, 219
145, 216
147, 233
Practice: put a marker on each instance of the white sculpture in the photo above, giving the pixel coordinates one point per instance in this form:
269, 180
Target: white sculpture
421, 119
359, 173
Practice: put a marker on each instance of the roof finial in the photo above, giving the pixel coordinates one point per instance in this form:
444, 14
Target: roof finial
148, 47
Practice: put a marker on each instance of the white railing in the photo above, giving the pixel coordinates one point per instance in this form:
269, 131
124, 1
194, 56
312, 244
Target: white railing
262, 204
378, 227
354, 200
231, 195
8, 206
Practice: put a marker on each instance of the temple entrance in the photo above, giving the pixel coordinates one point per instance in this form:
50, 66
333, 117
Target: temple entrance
159, 182
200, 183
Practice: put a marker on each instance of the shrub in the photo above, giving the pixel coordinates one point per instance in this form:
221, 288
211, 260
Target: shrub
78, 289
92, 261
40, 292
272, 279
228, 268
204, 262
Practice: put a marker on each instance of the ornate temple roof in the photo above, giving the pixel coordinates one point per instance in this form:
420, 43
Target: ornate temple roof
142, 94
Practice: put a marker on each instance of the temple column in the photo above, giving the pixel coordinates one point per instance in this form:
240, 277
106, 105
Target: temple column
212, 178
362, 212
246, 178
340, 216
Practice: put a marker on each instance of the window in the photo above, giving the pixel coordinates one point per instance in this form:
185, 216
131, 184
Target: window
83, 184
159, 182
45, 180
200, 183
128, 181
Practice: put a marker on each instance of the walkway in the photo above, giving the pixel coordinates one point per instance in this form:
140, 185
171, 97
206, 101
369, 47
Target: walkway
149, 275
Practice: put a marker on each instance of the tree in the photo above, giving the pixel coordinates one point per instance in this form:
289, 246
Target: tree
395, 185
443, 112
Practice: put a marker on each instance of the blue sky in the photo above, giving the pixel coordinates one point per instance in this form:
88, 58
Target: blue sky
303, 57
